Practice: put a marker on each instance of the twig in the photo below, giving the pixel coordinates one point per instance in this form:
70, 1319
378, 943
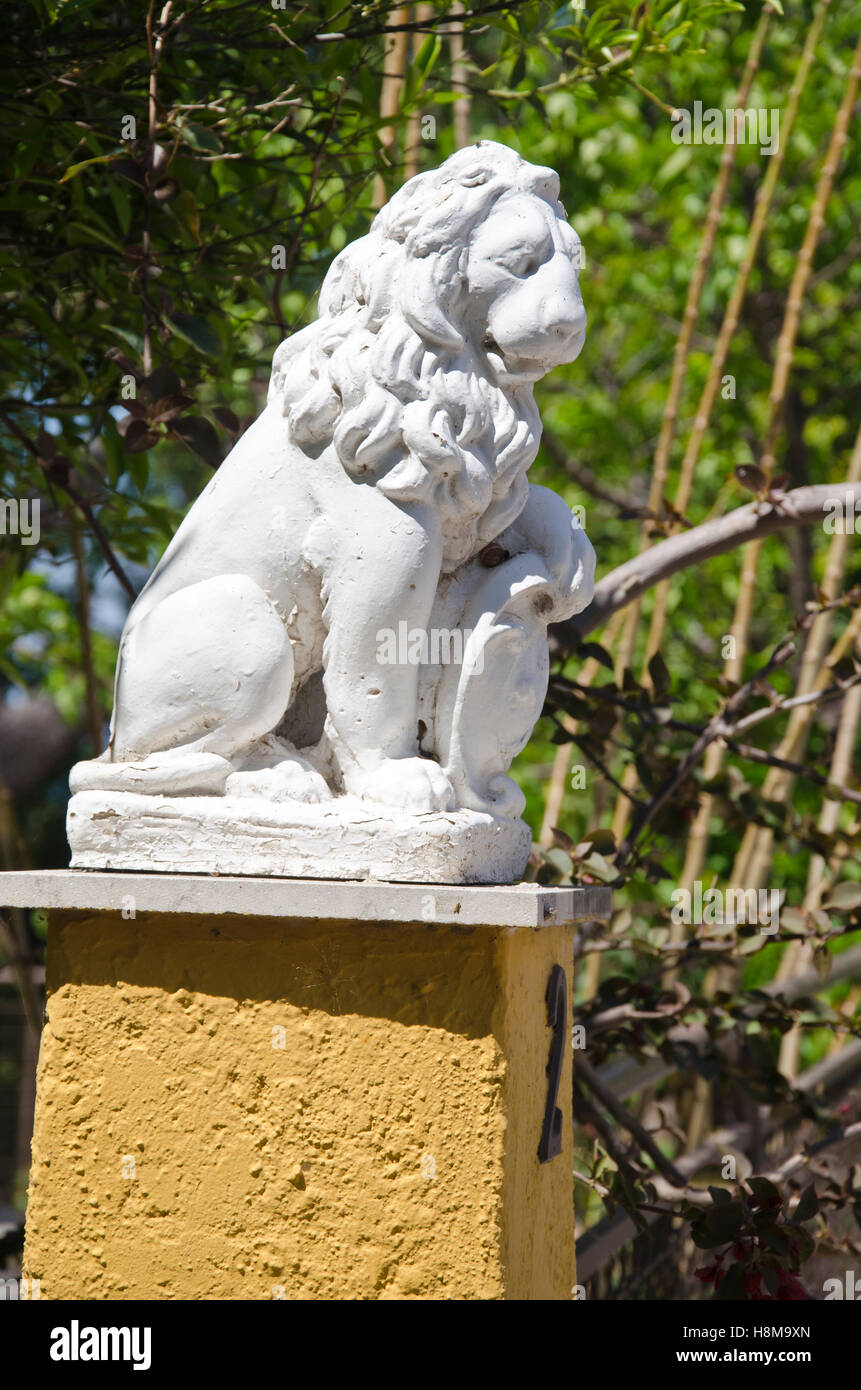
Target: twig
409, 26
81, 503
716, 728
586, 479
587, 1074
757, 755
92, 690
293, 250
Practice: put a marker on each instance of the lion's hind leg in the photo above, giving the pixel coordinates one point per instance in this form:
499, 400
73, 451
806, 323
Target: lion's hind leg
203, 676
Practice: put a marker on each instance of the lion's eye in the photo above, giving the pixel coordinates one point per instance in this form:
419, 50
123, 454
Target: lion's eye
524, 265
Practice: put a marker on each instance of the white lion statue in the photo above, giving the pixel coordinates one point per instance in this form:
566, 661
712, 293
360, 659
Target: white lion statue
355, 608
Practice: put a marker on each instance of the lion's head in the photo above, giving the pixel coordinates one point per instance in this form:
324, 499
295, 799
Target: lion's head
432, 330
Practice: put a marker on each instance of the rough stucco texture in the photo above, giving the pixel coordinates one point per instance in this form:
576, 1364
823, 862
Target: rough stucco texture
268, 1109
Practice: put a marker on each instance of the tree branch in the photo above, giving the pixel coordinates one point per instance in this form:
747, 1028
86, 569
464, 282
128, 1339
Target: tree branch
803, 506
758, 755
586, 1074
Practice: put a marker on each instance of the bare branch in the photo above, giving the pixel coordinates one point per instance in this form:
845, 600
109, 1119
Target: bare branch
720, 724
587, 1075
803, 506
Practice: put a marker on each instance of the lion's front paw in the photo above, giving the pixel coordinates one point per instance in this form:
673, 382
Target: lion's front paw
409, 784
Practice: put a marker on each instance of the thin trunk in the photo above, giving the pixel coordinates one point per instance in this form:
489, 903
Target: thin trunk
394, 68
461, 107
155, 46
412, 140
94, 718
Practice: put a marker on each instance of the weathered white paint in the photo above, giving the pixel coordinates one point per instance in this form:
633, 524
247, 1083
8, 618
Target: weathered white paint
256, 724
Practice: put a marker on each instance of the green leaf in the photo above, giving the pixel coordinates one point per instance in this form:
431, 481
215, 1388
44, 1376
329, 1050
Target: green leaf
793, 921
560, 860
128, 335
597, 866
420, 68
199, 137
8, 574
75, 169
119, 196
197, 331
675, 164
96, 234
428, 53
139, 470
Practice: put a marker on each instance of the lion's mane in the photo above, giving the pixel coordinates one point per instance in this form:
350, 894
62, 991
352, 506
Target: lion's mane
388, 372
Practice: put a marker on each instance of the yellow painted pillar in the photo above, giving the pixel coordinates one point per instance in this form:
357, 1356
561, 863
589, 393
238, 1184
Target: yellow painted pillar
265, 1107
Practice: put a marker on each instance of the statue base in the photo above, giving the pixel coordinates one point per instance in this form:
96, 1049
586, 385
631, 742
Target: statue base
342, 839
